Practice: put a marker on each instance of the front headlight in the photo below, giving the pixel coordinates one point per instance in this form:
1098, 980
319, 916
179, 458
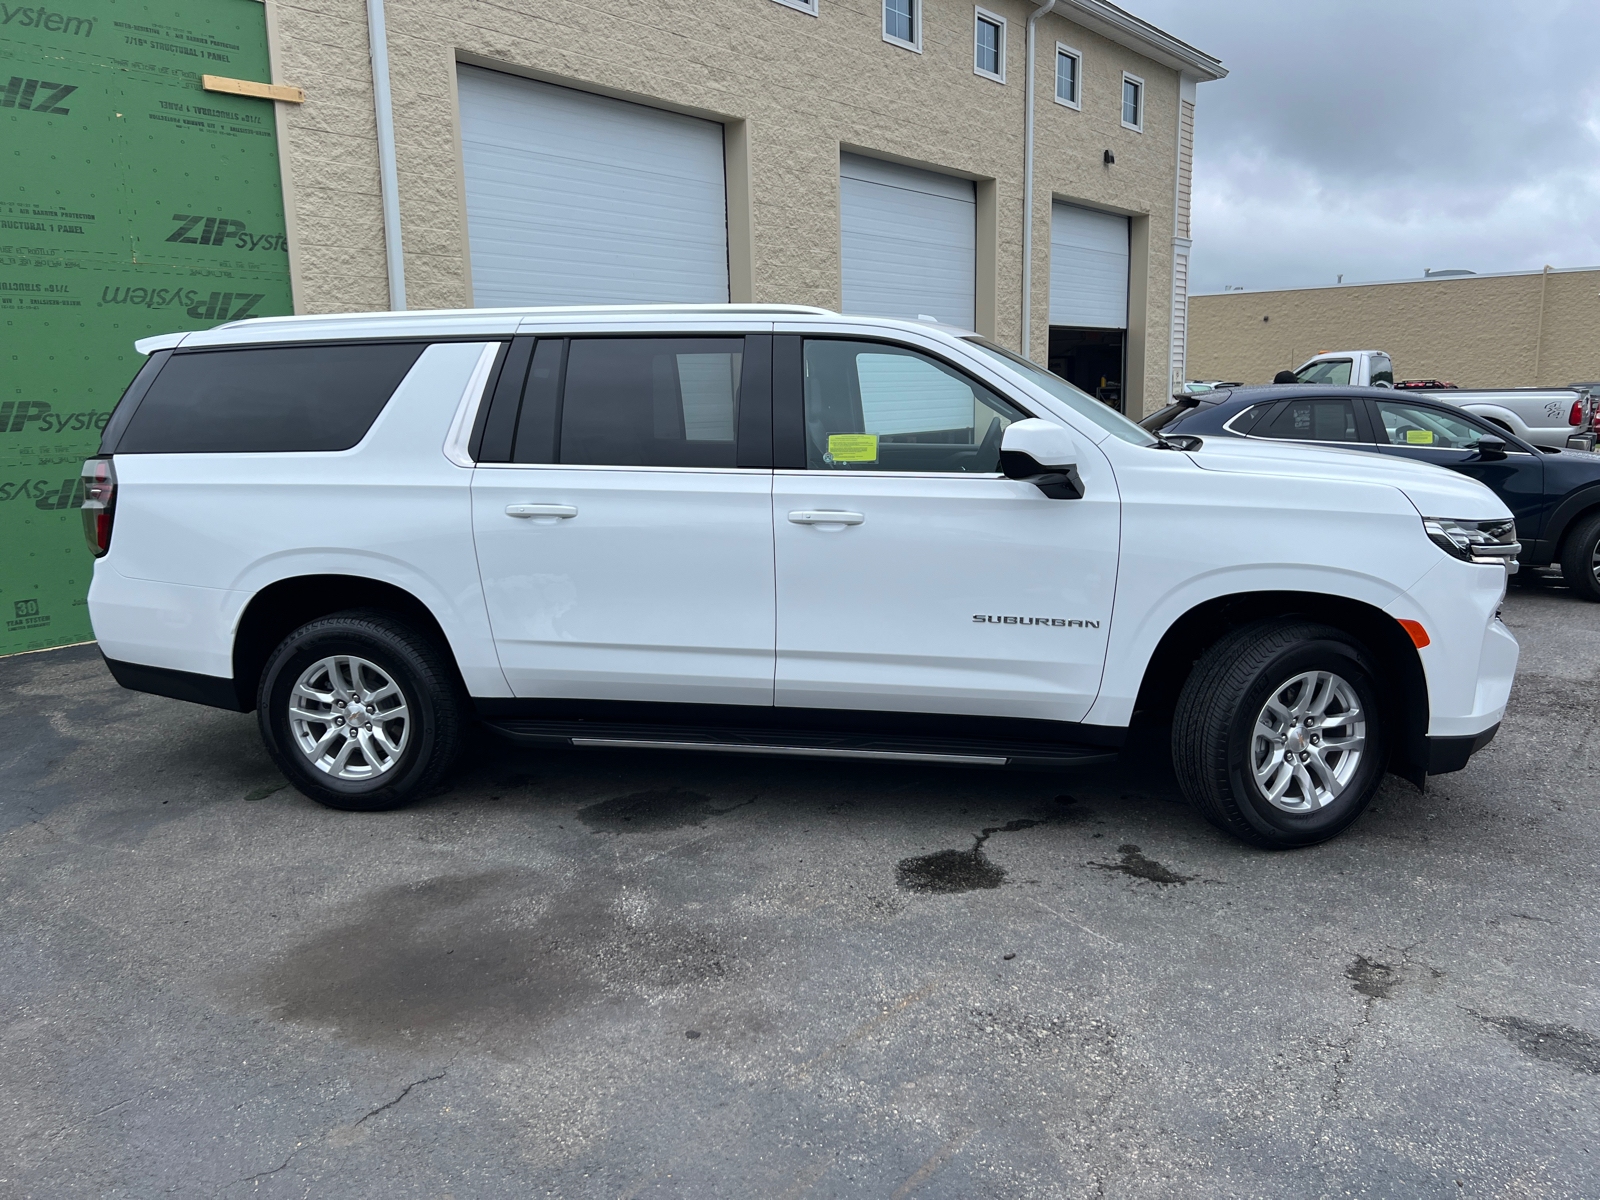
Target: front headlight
1474, 541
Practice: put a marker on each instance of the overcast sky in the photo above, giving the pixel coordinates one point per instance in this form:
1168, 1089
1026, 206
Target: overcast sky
1377, 138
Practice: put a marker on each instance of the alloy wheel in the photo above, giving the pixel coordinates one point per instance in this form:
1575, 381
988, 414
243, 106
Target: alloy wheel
349, 718
1307, 742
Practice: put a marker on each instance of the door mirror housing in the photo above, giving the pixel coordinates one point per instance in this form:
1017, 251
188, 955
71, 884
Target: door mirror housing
1044, 454
1491, 449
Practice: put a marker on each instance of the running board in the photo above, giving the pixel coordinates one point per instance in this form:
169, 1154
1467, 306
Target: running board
899, 748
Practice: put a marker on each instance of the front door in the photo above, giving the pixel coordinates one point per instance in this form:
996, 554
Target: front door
912, 576
625, 554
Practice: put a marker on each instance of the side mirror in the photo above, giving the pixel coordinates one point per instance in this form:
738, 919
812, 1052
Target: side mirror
1043, 454
1491, 449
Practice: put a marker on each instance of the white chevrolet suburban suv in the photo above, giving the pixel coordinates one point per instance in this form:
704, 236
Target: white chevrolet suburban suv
773, 529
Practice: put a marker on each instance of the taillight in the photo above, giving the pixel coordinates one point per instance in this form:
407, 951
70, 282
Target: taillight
99, 503
1575, 417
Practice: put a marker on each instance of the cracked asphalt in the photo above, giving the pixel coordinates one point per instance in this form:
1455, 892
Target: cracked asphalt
628, 974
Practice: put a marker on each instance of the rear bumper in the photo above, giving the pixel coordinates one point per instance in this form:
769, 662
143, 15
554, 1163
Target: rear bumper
1446, 754
212, 690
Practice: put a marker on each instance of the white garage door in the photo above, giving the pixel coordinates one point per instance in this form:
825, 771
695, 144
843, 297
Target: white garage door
1088, 268
581, 199
910, 242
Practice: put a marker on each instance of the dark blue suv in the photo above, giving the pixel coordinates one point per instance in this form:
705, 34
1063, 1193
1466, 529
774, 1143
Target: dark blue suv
1554, 494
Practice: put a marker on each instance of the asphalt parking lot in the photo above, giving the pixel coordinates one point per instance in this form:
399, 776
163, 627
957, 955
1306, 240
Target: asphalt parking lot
627, 974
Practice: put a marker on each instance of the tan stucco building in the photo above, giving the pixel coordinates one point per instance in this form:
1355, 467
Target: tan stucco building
815, 108
1520, 329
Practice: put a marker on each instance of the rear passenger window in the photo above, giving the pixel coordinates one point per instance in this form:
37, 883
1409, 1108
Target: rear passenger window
650, 402
1312, 421
875, 407
278, 398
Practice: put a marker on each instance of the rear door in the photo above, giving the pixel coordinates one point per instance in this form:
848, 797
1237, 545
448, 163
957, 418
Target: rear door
625, 544
1448, 437
911, 575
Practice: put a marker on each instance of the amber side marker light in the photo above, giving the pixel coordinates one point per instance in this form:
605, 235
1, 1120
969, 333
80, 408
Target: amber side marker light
1419, 635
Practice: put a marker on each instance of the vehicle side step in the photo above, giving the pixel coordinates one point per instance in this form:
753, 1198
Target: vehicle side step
809, 744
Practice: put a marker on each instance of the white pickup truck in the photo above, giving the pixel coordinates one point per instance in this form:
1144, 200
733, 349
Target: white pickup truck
1560, 418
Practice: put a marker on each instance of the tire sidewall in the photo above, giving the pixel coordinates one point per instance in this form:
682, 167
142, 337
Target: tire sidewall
1298, 829
1577, 559
319, 640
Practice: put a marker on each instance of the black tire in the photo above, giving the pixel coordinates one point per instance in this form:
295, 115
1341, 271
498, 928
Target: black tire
428, 740
1577, 558
1214, 726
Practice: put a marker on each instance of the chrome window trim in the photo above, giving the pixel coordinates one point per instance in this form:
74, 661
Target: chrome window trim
458, 441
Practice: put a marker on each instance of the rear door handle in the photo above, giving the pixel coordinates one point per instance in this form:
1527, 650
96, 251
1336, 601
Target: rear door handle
810, 516
547, 511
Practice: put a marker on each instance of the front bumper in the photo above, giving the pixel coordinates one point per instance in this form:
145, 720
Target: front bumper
1446, 754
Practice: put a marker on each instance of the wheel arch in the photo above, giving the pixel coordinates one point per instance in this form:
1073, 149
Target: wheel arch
286, 604
1566, 516
1391, 648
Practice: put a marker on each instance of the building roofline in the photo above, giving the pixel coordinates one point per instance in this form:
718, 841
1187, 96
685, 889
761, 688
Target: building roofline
1122, 27
1330, 287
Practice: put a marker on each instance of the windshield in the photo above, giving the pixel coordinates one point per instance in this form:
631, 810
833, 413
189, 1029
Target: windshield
1329, 370
1080, 402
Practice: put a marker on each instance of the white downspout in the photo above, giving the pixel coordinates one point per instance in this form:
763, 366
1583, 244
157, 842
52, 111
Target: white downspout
388, 177
1027, 185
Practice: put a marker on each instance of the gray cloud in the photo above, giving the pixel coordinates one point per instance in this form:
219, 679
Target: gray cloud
1377, 139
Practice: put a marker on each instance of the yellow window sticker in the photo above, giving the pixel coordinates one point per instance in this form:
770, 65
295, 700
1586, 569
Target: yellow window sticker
852, 447
1419, 437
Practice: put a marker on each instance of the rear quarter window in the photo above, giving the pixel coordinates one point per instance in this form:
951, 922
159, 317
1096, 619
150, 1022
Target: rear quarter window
275, 398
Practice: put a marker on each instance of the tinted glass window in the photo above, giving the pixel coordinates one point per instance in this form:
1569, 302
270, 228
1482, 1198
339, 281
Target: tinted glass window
651, 402
874, 407
1312, 421
1415, 425
1335, 371
1382, 369
295, 398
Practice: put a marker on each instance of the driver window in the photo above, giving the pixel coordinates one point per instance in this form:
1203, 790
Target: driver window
1414, 425
876, 407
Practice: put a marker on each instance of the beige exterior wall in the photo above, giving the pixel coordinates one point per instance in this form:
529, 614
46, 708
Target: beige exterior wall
1519, 330
793, 89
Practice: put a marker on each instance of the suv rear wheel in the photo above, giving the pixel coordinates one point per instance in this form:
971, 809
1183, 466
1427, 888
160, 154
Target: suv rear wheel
1580, 558
1279, 737
360, 711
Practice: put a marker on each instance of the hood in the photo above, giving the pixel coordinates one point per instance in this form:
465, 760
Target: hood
1436, 491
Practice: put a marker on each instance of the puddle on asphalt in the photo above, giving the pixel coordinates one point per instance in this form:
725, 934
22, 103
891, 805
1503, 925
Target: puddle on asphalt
960, 870
1561, 1045
450, 958
1370, 978
1132, 862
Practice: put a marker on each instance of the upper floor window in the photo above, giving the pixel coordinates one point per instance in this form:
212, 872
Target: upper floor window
1069, 76
805, 6
989, 45
1132, 102
902, 23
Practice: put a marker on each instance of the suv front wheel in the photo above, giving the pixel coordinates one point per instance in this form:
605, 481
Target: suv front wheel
360, 711
1279, 737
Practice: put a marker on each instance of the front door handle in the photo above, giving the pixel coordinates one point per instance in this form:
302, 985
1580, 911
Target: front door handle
548, 511
812, 516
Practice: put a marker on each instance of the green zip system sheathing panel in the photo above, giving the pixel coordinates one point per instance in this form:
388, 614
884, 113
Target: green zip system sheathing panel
133, 202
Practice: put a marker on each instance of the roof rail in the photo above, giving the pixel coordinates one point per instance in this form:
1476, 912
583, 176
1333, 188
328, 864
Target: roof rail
436, 314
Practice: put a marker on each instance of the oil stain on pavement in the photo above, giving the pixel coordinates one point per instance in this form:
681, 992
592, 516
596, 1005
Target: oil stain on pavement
1132, 862
957, 870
